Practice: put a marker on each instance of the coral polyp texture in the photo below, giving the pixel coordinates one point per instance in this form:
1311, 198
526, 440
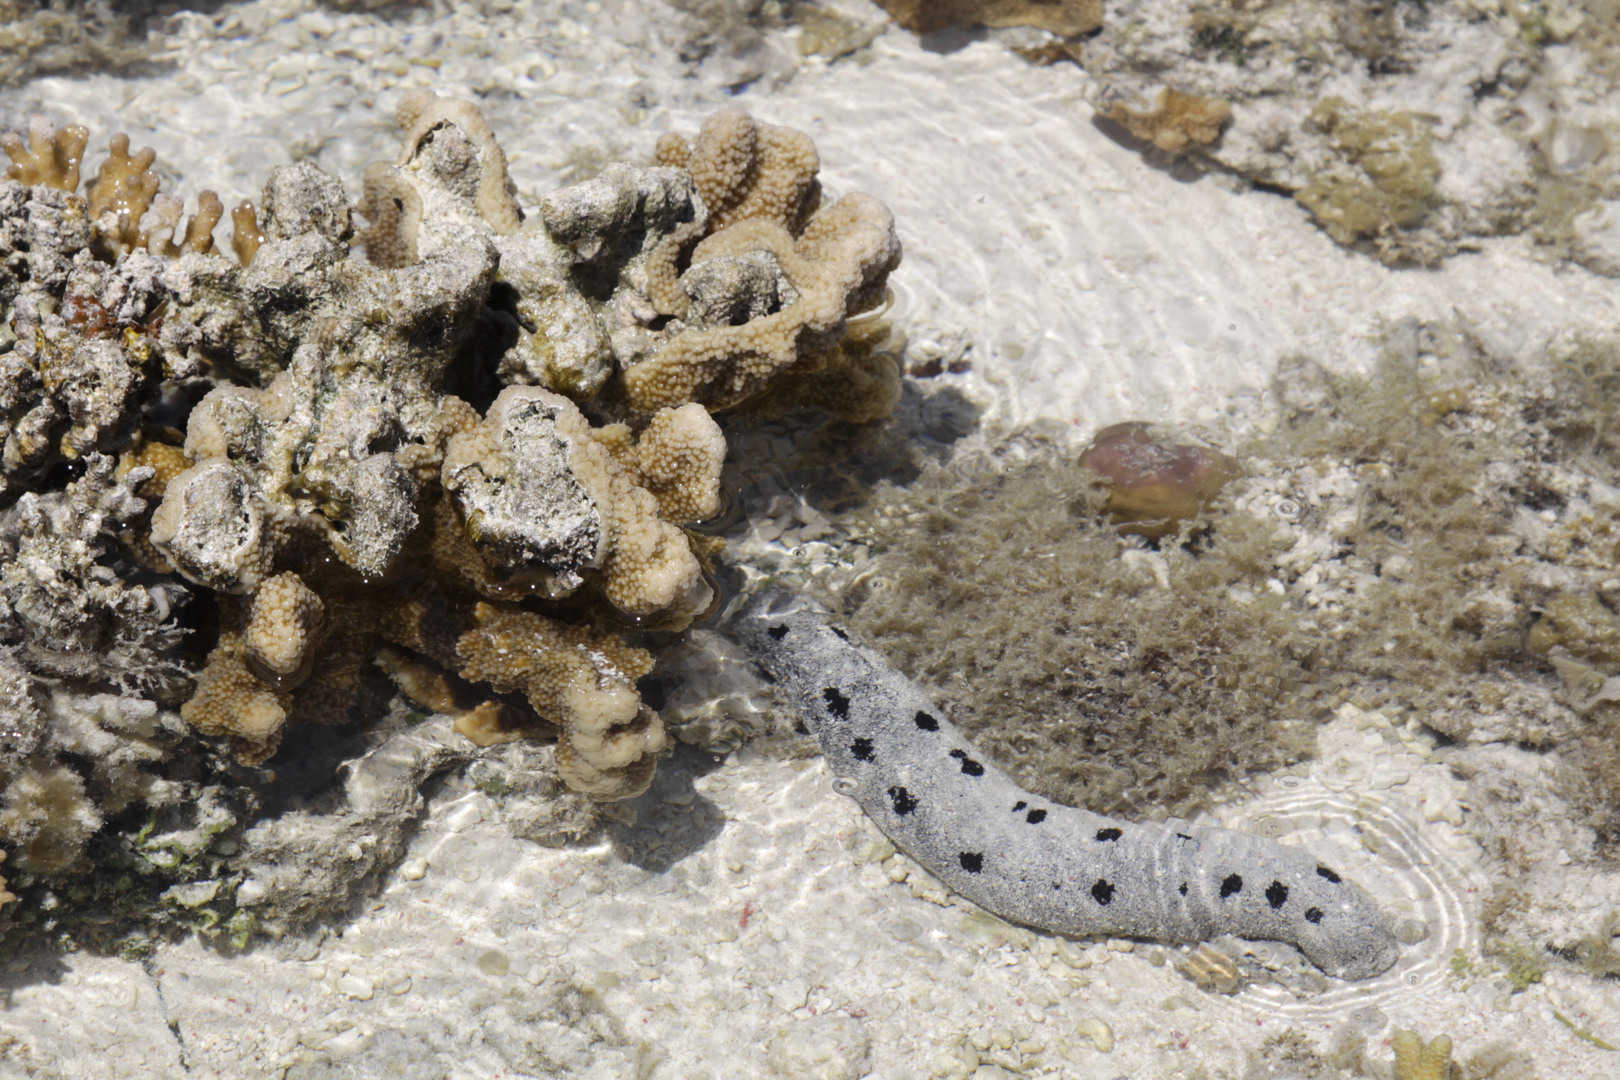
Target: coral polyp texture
466, 458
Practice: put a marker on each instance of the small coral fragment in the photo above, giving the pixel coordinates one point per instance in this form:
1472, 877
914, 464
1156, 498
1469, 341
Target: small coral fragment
51, 156
120, 194
1417, 1060
232, 701
583, 680
1387, 180
1154, 481
1176, 120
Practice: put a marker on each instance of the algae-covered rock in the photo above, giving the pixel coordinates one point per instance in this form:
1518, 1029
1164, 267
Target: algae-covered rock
1384, 182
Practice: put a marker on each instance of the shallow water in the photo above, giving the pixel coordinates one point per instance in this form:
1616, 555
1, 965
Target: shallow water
751, 922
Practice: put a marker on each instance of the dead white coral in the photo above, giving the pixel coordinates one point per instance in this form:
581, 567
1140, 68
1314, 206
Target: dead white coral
65, 612
450, 176
67, 760
41, 230
81, 365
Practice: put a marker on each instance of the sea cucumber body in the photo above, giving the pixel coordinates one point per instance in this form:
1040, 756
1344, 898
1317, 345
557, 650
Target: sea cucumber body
1034, 861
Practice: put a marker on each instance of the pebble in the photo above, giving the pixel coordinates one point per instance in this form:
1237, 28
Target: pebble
790, 995
355, 986
1101, 1035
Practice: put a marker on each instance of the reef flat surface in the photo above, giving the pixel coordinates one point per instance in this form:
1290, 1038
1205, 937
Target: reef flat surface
1057, 278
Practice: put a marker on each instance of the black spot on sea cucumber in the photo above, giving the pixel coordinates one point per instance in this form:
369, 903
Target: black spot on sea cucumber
1102, 892
1322, 871
926, 722
799, 728
1231, 886
1035, 817
1313, 914
1183, 836
1019, 805
837, 703
1057, 885
1276, 895
1183, 889
839, 632
969, 766
862, 749
971, 861
778, 632
1108, 834
902, 801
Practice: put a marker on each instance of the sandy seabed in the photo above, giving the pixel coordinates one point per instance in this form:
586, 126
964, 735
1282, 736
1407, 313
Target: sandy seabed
753, 923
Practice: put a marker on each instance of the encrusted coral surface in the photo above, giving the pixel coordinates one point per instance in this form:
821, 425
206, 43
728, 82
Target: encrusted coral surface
291, 440
1409, 131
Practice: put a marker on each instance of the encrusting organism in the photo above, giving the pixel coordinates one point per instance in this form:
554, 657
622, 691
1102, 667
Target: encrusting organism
300, 424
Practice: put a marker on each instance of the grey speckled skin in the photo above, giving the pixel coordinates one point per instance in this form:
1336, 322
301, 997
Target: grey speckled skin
1028, 859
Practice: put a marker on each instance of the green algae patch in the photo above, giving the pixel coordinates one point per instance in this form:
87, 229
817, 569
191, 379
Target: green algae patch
1425, 539
1383, 181
1107, 675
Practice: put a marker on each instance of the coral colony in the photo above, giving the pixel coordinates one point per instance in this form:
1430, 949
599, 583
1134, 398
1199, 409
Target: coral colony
469, 456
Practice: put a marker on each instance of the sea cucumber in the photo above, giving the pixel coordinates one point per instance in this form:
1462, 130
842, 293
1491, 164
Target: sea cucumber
1028, 859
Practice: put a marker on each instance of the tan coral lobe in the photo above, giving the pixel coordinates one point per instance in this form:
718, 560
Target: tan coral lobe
838, 268
283, 630
581, 679
51, 156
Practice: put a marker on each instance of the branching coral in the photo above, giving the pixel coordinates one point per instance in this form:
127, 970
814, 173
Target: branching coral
829, 264
294, 434
1417, 1060
51, 156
